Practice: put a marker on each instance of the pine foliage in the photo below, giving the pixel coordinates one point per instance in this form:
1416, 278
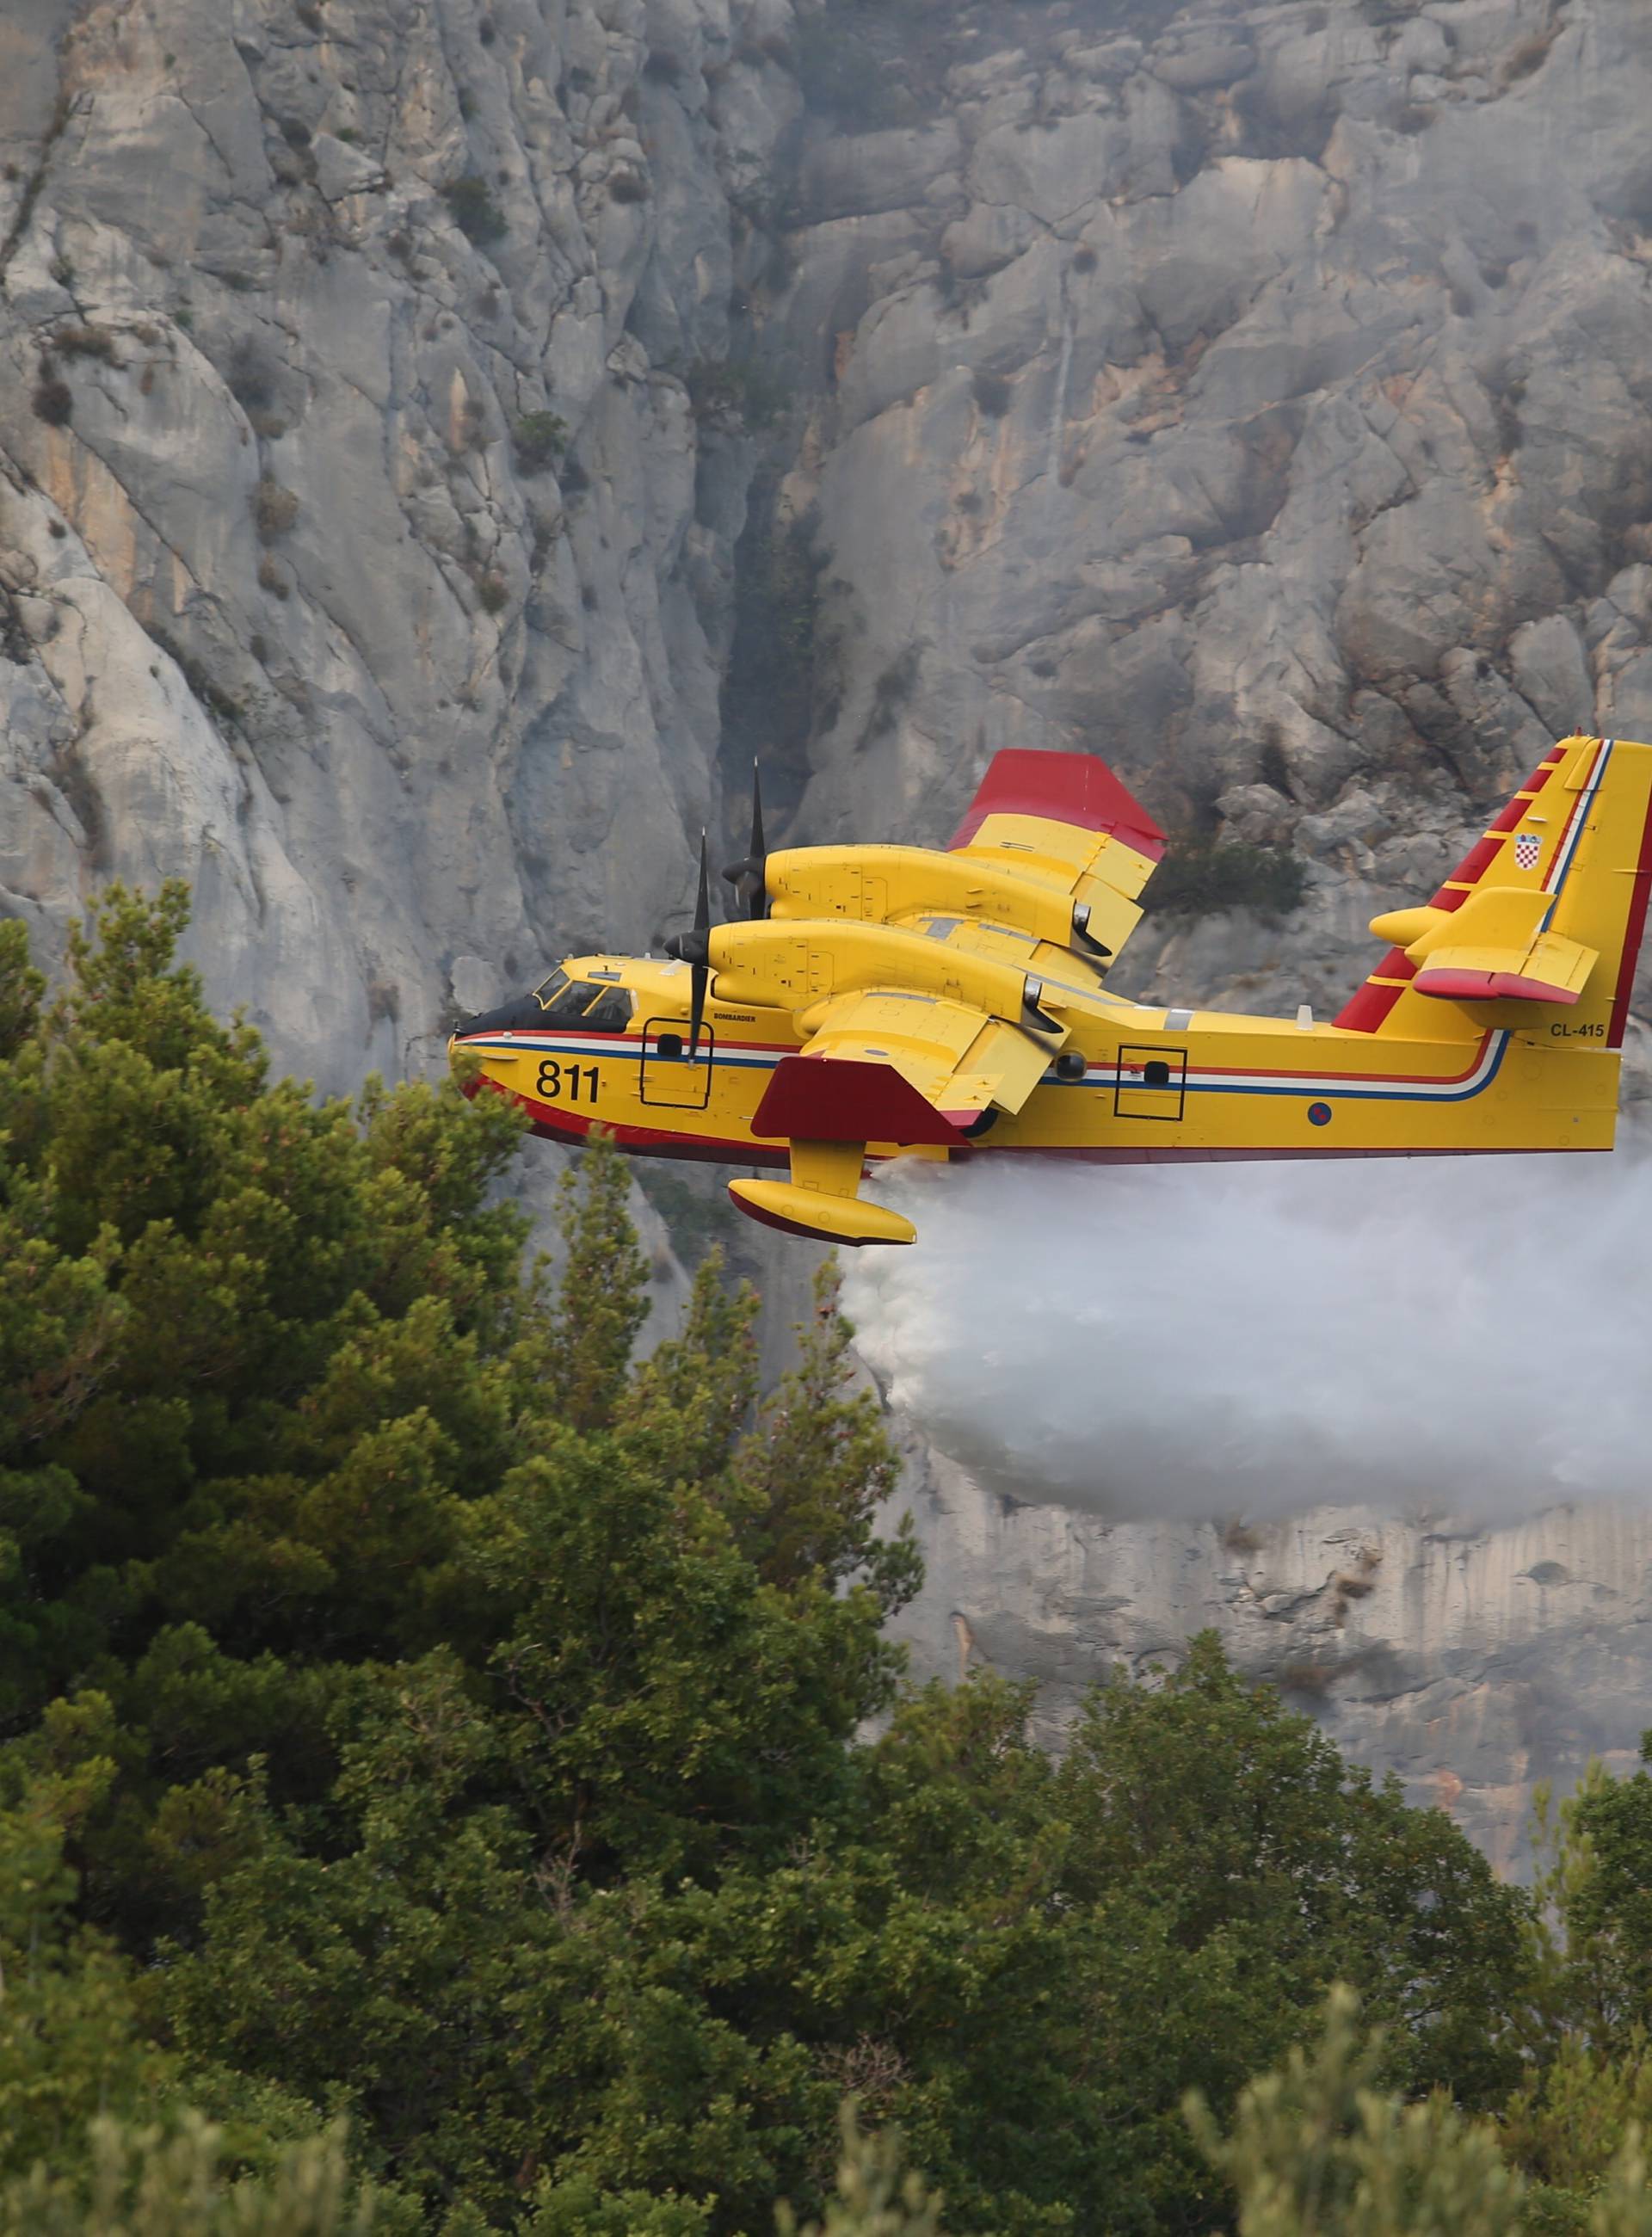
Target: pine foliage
454, 1778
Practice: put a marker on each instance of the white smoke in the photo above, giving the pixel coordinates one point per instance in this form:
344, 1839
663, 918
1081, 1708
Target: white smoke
1471, 1336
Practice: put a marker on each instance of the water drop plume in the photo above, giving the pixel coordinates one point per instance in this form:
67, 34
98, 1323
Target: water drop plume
1468, 1336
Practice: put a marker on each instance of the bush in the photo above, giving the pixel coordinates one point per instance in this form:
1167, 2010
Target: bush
85, 342
723, 392
1318, 2149
476, 213
992, 393
250, 377
1199, 876
540, 438
494, 593
769, 697
274, 509
53, 400
627, 186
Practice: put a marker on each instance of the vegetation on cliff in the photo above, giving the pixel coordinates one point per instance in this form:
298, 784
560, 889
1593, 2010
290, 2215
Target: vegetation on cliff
467, 1770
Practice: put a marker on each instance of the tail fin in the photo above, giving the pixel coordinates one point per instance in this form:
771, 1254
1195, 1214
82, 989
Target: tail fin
1546, 909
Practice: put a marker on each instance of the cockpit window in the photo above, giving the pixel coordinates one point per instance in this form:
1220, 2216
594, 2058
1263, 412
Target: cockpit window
610, 1012
571, 1002
594, 1009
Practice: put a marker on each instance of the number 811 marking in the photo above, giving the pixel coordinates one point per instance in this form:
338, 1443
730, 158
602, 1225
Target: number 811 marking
578, 1076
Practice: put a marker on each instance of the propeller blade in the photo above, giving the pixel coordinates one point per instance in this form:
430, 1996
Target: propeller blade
757, 899
749, 877
700, 967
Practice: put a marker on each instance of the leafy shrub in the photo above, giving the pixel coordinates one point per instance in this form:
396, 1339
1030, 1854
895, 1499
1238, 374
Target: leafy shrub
249, 376
723, 391
992, 393
769, 697
540, 439
53, 400
274, 509
891, 692
627, 186
494, 593
476, 213
85, 342
1317, 2150
1199, 876
145, 2182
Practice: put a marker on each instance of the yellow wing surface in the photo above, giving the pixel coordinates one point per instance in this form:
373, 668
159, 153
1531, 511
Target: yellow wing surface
958, 1060
1066, 822
884, 1066
902, 1068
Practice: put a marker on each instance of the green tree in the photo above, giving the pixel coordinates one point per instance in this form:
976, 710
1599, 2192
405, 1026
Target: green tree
144, 2183
386, 1618
1317, 2150
424, 1716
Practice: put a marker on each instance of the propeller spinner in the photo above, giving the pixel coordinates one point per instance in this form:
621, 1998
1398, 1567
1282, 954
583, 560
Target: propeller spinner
750, 877
694, 948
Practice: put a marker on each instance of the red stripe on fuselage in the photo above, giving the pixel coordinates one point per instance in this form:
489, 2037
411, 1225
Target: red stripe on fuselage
1634, 925
1369, 1005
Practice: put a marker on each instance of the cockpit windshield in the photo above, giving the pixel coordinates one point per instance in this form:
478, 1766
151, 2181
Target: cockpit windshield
594, 1008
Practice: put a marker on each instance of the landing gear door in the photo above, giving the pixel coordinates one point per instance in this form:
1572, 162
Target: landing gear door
1151, 1082
670, 1082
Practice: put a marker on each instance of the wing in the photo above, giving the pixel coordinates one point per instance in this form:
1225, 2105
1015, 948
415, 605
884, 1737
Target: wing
886, 1066
1067, 821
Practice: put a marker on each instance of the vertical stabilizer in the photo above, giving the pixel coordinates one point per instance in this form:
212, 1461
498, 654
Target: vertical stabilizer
1543, 915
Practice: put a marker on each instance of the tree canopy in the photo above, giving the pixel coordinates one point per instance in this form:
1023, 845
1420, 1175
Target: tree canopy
468, 1767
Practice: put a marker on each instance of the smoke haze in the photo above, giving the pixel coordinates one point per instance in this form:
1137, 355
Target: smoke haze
1462, 1336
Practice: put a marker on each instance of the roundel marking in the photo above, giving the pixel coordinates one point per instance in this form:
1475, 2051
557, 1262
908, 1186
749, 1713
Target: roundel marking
1319, 1114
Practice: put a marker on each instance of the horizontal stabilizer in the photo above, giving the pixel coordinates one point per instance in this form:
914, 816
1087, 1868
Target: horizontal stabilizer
1490, 949
1550, 970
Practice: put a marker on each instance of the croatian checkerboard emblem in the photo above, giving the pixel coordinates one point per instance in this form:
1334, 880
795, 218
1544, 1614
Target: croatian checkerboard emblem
1528, 846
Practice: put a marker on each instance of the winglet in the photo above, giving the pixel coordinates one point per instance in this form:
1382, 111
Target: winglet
1065, 788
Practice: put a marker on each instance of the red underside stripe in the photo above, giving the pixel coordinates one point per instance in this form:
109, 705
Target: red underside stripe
1634, 926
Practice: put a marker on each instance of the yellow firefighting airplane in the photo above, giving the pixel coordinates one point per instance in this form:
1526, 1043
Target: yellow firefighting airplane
881, 1000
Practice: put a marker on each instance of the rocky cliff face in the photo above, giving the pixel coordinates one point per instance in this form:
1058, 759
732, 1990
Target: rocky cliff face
362, 559
1472, 1662
441, 439
1251, 391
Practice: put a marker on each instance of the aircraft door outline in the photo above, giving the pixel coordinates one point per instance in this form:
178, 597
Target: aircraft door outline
667, 1081
1151, 1082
